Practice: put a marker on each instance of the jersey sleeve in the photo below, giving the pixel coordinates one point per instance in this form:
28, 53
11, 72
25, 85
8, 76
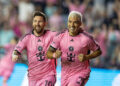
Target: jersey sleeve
21, 44
93, 45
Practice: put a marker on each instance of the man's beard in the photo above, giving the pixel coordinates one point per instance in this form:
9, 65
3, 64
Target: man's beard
73, 31
38, 29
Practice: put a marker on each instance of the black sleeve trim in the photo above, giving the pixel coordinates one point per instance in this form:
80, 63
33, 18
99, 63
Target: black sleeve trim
53, 49
18, 52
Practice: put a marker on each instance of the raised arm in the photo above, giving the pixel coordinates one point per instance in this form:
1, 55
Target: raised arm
53, 53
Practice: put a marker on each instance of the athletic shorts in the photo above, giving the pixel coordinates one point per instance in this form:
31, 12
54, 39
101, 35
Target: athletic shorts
75, 80
46, 81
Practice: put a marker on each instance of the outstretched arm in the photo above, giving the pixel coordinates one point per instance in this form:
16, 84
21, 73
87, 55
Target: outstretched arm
94, 54
53, 53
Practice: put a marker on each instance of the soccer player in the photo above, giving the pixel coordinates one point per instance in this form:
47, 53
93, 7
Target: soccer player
41, 71
74, 46
6, 63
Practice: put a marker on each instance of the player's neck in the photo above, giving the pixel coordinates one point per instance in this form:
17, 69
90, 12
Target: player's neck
38, 34
73, 34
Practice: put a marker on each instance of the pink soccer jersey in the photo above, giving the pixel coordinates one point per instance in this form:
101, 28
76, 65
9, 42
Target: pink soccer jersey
6, 63
71, 47
38, 65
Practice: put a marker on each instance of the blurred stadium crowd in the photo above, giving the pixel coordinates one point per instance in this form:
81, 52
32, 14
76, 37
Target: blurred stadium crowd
100, 17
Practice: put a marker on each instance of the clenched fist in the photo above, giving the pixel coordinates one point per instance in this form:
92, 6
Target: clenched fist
58, 53
14, 56
81, 57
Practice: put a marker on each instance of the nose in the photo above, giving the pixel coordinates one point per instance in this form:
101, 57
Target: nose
72, 24
37, 23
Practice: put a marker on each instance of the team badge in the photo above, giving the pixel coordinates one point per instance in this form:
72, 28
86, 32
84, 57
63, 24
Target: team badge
40, 48
71, 48
41, 54
70, 55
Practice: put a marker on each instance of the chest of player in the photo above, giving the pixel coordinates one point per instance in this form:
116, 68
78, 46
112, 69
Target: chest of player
37, 48
71, 47
77, 44
36, 44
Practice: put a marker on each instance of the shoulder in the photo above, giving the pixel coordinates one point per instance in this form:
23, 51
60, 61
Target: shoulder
87, 35
25, 36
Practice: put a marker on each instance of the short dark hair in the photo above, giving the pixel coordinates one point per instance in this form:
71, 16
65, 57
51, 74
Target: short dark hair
38, 13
